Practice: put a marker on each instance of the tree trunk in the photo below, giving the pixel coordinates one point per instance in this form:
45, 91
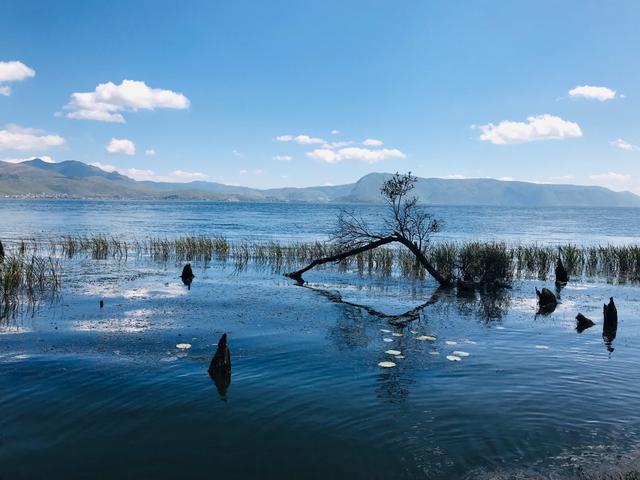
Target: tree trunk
423, 260
297, 275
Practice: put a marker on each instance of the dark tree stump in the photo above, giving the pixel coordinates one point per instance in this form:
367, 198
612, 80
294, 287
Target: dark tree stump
610, 325
187, 275
221, 361
220, 367
583, 323
562, 277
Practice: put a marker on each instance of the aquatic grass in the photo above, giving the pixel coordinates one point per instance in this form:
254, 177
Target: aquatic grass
482, 262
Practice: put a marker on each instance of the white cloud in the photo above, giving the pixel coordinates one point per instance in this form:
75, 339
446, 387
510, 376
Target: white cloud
149, 152
237, 154
44, 158
372, 142
14, 137
177, 176
355, 153
189, 176
593, 93
540, 127
335, 132
455, 176
13, 72
107, 102
283, 158
614, 181
257, 172
300, 139
122, 146
624, 145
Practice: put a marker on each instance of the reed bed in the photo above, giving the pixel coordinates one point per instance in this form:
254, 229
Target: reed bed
26, 277
474, 261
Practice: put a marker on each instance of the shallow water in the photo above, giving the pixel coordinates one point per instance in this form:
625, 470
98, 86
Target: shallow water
103, 393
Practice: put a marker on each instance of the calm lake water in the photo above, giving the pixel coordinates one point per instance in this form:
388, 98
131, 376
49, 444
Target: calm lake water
104, 393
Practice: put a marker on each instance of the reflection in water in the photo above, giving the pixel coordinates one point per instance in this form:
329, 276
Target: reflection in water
401, 319
489, 305
222, 380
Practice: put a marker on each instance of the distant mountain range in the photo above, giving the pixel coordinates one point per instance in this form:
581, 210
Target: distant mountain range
73, 179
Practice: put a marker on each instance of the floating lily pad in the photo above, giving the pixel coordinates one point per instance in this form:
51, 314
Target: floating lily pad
460, 353
183, 346
393, 352
451, 342
453, 358
386, 364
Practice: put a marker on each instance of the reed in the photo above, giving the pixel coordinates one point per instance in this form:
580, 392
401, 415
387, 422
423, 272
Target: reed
477, 261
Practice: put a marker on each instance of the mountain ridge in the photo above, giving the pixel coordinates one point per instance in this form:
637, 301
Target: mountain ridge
75, 179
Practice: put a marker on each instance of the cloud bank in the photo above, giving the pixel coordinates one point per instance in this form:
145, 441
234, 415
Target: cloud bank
108, 101
537, 128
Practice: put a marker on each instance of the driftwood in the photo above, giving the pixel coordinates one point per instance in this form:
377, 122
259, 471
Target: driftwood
187, 275
610, 324
297, 275
583, 323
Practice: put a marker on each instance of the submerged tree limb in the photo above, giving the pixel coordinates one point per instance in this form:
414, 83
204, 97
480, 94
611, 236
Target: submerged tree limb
396, 237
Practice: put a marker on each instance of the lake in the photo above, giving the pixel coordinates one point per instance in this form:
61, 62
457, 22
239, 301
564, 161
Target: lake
87, 392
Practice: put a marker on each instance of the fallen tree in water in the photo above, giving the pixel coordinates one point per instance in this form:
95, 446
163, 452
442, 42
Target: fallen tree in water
407, 224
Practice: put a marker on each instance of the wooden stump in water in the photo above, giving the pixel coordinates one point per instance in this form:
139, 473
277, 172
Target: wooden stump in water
187, 275
583, 323
221, 361
610, 325
220, 367
562, 277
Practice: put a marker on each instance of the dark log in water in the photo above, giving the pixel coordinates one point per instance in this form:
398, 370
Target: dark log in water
297, 275
187, 275
610, 325
1, 251
583, 323
101, 303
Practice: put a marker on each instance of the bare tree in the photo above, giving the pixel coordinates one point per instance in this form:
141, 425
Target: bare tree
406, 223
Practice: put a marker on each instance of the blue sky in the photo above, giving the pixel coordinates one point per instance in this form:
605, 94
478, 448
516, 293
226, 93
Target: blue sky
253, 93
